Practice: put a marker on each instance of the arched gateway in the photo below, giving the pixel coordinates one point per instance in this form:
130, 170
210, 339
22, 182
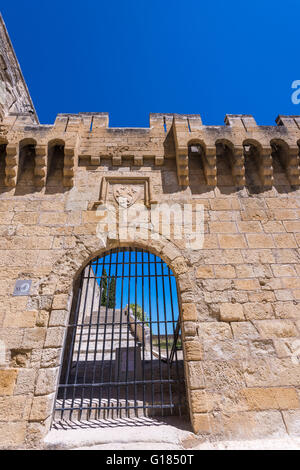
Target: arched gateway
123, 354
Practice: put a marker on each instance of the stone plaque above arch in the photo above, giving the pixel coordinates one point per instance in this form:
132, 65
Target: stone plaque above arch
129, 188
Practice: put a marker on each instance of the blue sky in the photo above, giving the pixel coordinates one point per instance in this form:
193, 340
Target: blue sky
133, 57
147, 274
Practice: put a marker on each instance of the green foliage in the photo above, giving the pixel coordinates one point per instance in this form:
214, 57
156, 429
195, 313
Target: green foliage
104, 288
138, 313
112, 293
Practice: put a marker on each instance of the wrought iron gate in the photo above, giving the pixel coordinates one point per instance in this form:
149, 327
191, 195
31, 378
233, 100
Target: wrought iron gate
123, 354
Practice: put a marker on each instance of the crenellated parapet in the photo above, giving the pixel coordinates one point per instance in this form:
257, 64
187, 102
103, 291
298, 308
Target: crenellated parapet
86, 140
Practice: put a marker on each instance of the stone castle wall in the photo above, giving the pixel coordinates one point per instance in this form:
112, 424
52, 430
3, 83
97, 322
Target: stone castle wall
239, 294
14, 96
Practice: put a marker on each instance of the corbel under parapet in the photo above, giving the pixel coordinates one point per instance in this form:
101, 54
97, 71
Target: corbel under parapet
40, 169
292, 165
69, 163
210, 165
265, 166
182, 162
11, 165
237, 161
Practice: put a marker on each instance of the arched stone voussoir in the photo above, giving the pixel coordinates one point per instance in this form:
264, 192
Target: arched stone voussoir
67, 269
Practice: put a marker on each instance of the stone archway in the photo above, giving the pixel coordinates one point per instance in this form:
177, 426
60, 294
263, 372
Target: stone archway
61, 280
123, 350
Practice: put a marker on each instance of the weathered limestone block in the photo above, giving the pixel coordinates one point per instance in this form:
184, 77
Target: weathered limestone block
12, 434
224, 350
220, 331
248, 425
276, 328
25, 382
193, 350
189, 312
33, 338
20, 319
292, 421
7, 381
201, 401
271, 372
58, 318
60, 302
271, 398
41, 408
287, 309
258, 311
54, 338
51, 357
179, 265
46, 381
231, 312
189, 330
14, 408
244, 330
201, 423
223, 375
195, 376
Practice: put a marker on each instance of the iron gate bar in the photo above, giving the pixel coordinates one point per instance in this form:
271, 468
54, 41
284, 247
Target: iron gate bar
174, 347
105, 329
89, 331
166, 330
72, 342
158, 328
130, 407
120, 327
174, 330
129, 268
130, 382
80, 338
128, 318
151, 336
113, 326
111, 323
98, 324
143, 332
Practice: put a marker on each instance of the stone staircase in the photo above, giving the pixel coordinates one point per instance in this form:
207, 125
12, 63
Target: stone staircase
95, 361
100, 336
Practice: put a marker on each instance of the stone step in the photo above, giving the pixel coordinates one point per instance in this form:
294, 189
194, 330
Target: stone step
101, 331
110, 318
101, 337
113, 408
108, 345
107, 356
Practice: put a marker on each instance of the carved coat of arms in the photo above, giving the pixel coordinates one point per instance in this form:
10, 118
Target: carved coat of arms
127, 195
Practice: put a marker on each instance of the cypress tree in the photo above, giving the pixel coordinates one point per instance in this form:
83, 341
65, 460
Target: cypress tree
104, 288
112, 293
